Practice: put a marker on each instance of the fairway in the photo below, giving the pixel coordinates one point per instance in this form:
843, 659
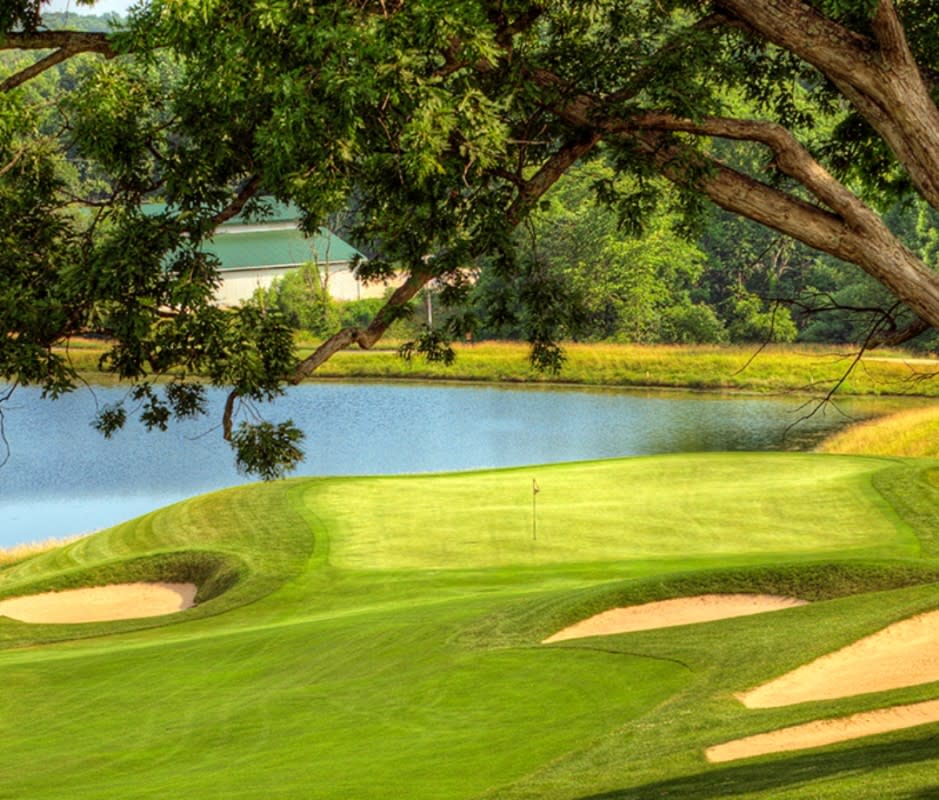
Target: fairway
382, 637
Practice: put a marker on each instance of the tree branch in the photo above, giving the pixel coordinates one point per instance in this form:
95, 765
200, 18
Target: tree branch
878, 76
364, 338
528, 194
898, 337
228, 415
867, 344
79, 41
870, 246
790, 157
233, 209
549, 173
65, 44
850, 231
12, 162
801, 29
891, 337
888, 30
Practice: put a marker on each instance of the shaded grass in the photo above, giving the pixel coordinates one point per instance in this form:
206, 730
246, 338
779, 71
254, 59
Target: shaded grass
381, 636
840, 771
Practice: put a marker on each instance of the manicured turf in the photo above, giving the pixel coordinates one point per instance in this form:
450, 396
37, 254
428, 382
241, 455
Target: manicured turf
379, 638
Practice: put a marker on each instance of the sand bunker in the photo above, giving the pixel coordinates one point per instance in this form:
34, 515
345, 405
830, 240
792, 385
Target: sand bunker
903, 654
101, 603
677, 611
827, 731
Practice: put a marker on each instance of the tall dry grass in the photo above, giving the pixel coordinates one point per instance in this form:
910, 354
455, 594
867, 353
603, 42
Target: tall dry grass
20, 552
748, 368
912, 433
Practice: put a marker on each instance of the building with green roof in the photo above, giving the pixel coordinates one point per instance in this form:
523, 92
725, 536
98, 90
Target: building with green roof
253, 253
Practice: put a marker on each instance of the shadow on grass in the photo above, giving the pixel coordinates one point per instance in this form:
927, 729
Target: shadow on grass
789, 772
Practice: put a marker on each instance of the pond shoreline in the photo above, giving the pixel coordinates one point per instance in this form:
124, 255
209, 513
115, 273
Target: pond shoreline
64, 478
805, 370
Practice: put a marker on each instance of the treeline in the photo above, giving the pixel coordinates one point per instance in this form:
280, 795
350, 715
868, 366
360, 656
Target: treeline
636, 274
605, 259
88, 23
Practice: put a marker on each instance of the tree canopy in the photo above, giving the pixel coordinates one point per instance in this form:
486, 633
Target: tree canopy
437, 128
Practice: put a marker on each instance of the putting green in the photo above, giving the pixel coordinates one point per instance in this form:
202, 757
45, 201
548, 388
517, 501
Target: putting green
380, 637
669, 506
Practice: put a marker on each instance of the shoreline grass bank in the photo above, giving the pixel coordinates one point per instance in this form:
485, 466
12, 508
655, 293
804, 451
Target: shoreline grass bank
808, 369
911, 433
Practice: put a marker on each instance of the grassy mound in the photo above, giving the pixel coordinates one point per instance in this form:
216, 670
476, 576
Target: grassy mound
236, 546
376, 638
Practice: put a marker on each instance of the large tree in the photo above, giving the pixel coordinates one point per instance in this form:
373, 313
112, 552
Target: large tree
441, 126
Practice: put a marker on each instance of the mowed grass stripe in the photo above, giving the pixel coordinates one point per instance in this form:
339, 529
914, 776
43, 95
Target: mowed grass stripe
320, 710
377, 649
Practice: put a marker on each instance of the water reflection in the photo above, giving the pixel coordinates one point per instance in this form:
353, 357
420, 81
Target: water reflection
63, 478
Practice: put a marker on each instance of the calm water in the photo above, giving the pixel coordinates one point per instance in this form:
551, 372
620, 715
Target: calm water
63, 478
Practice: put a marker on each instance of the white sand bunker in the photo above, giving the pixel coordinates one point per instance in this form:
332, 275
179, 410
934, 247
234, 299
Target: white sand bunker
903, 654
101, 603
677, 611
827, 731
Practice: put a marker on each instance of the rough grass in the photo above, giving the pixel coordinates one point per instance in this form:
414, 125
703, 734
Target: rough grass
20, 552
911, 433
380, 638
778, 368
727, 368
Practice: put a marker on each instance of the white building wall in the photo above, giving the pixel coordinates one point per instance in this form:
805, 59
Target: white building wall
240, 284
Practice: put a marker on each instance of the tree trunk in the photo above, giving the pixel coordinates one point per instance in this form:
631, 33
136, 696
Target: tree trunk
877, 75
869, 245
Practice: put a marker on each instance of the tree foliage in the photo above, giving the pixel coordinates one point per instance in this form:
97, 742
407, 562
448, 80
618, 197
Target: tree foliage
442, 126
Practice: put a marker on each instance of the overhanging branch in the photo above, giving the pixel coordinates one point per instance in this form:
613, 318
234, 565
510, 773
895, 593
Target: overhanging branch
529, 193
364, 337
878, 75
64, 45
898, 337
850, 230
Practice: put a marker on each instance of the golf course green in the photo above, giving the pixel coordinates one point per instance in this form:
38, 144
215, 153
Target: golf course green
382, 637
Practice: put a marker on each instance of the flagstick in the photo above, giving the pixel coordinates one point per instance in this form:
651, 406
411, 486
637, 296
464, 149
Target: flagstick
534, 509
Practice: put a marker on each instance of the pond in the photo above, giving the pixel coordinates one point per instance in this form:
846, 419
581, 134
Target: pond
63, 478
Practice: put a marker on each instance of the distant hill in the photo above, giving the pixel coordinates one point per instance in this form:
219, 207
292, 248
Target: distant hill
92, 23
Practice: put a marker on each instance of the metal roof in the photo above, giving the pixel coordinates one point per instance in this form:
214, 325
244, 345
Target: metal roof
278, 248
272, 241
274, 212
